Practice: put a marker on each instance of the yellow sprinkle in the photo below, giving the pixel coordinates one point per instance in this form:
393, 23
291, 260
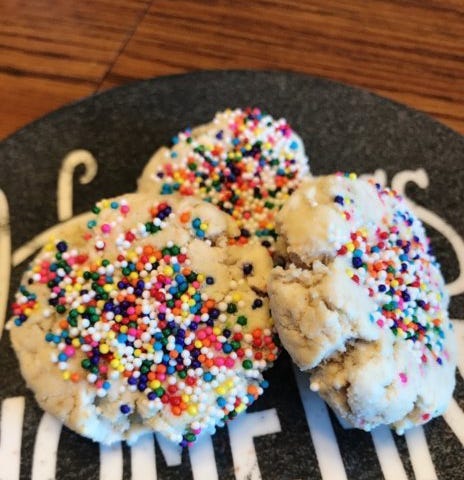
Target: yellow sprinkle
77, 287
104, 348
66, 375
240, 408
76, 343
168, 270
80, 309
191, 302
221, 390
353, 176
27, 311
185, 398
114, 363
118, 318
137, 352
105, 203
154, 384
111, 335
152, 259
203, 226
121, 368
123, 328
394, 283
267, 146
198, 344
216, 330
108, 287
350, 247
192, 409
134, 275
200, 277
229, 383
236, 297
100, 304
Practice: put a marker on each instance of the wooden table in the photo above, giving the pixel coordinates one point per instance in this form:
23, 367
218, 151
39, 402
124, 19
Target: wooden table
55, 51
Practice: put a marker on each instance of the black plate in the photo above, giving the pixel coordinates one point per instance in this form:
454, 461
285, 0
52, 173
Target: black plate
343, 129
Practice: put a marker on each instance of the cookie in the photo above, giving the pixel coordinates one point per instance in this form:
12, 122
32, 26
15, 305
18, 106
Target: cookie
145, 319
362, 304
244, 161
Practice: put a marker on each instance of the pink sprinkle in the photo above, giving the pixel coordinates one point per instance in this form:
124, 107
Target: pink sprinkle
380, 322
132, 332
131, 310
69, 351
125, 209
229, 362
201, 335
56, 289
103, 368
195, 284
404, 378
106, 228
219, 361
162, 308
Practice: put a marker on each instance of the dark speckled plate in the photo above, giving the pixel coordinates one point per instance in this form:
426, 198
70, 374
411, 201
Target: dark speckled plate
289, 433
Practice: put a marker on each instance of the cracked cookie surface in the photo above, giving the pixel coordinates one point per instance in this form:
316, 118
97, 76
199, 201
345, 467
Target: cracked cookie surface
361, 303
143, 318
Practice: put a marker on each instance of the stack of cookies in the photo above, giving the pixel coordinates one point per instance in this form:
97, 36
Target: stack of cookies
161, 310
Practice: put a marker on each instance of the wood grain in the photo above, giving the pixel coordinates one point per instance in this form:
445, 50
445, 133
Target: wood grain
52, 52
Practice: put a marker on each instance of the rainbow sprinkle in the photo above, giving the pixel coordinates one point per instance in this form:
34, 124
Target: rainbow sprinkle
142, 316
393, 263
248, 166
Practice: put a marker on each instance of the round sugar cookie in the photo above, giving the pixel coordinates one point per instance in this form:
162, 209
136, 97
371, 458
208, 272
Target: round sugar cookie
361, 303
244, 161
145, 319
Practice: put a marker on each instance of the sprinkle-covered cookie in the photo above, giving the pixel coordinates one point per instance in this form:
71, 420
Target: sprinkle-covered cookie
145, 319
244, 161
362, 303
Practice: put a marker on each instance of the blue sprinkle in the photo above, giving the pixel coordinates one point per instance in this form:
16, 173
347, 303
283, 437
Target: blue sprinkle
357, 262
339, 199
